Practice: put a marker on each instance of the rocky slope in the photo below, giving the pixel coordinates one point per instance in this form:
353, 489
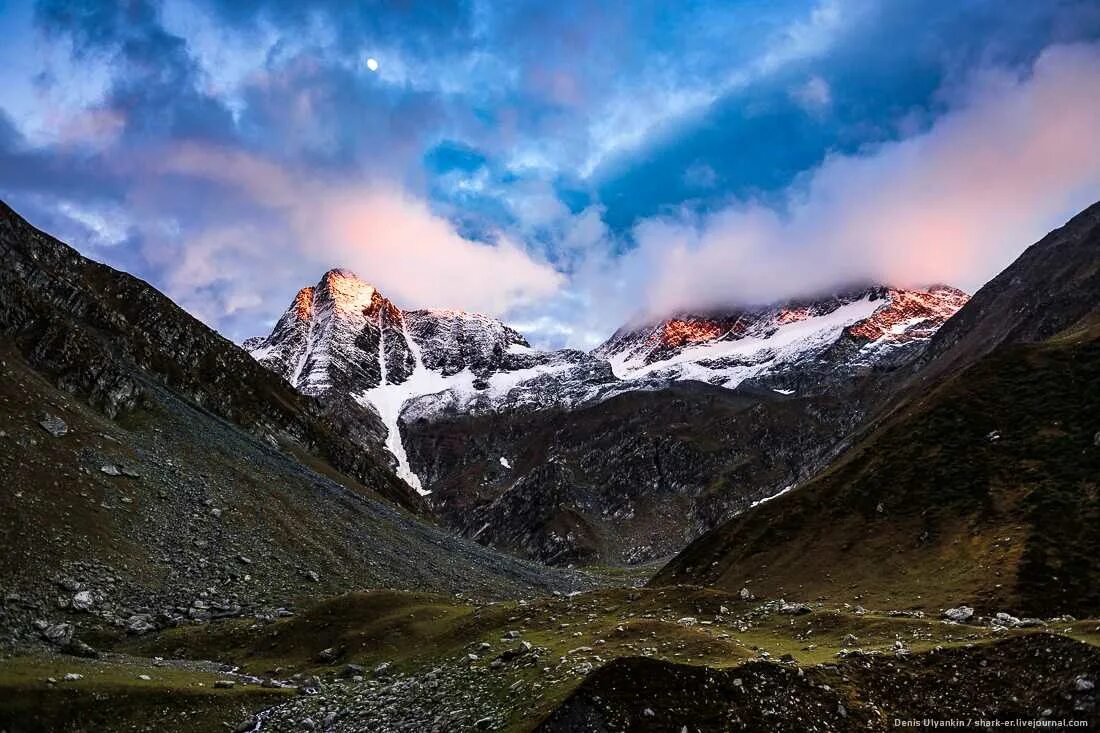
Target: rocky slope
1018, 679
980, 486
626, 480
144, 489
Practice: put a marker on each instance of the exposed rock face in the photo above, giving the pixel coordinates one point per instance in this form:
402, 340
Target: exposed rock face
105, 335
626, 480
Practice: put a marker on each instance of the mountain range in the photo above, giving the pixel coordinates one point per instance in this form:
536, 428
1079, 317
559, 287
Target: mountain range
442, 380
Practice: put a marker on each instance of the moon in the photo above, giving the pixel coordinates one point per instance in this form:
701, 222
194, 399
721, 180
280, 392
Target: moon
372, 64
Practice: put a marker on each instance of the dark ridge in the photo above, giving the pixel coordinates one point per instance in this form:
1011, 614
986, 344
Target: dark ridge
99, 333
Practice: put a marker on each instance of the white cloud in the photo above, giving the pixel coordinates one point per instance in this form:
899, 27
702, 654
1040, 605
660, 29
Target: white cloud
388, 237
814, 95
956, 203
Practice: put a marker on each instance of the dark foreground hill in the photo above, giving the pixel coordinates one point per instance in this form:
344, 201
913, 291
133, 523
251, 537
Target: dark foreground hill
1003, 681
981, 487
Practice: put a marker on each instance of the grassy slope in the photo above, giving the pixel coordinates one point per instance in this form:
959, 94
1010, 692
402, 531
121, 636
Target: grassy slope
113, 697
930, 510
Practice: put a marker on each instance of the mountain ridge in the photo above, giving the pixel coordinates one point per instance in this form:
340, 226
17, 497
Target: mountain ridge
977, 486
411, 365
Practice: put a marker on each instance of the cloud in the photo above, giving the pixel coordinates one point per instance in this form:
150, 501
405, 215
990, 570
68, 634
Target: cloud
557, 163
1015, 156
814, 95
384, 234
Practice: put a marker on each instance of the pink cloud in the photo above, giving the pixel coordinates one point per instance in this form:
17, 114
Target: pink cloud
956, 203
385, 235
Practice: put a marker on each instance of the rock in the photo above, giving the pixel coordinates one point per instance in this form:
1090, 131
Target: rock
850, 640
312, 575
959, 614
1083, 684
648, 712
746, 594
382, 669
224, 684
216, 513
247, 726
687, 621
484, 723
83, 600
144, 677
54, 425
60, 634
110, 469
794, 609
140, 623
351, 670
1007, 620
72, 677
129, 472
77, 648
512, 634
327, 656
307, 724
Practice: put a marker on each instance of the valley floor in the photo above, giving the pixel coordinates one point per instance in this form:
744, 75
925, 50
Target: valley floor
606, 660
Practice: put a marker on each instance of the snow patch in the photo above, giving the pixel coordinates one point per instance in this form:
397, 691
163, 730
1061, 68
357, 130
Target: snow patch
766, 499
504, 462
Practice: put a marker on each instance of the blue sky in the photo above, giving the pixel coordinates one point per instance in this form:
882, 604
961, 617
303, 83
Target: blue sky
565, 165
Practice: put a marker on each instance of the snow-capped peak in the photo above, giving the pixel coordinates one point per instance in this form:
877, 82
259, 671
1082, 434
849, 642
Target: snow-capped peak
343, 337
349, 294
727, 348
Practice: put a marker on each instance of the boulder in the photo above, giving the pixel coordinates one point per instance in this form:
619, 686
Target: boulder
60, 634
959, 614
140, 623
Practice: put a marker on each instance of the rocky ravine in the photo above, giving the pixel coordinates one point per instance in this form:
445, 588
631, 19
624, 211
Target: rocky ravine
621, 455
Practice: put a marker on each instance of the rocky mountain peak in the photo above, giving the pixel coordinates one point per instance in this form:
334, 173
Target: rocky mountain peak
349, 295
303, 303
343, 340
727, 347
910, 314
